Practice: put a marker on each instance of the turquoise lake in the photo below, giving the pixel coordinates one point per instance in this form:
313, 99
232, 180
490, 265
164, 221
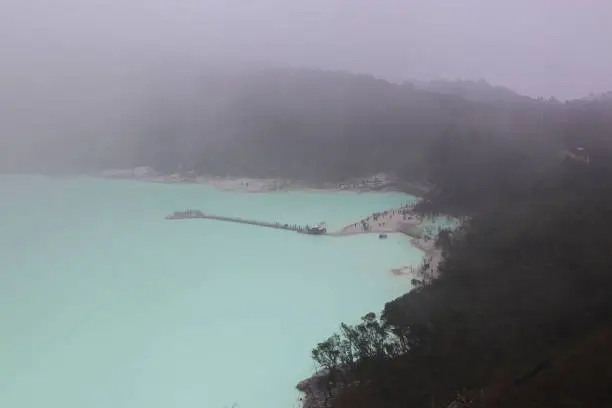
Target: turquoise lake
103, 303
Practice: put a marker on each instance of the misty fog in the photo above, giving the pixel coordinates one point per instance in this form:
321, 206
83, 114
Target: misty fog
100, 76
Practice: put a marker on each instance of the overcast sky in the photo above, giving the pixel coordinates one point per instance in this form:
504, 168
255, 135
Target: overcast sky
537, 47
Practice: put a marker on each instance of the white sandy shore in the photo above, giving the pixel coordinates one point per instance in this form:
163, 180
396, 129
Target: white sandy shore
394, 220
246, 185
402, 220
397, 220
378, 182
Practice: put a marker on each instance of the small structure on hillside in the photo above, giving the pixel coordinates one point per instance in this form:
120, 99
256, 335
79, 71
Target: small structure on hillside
578, 154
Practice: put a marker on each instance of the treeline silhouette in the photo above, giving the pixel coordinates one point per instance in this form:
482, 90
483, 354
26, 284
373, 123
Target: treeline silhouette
519, 280
303, 124
520, 315
316, 125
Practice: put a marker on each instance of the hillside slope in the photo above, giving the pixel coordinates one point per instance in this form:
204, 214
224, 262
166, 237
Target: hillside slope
578, 375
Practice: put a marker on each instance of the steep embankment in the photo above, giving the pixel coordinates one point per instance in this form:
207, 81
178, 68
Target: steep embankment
575, 375
523, 279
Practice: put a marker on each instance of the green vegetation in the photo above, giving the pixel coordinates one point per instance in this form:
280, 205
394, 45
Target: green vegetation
325, 126
322, 126
521, 312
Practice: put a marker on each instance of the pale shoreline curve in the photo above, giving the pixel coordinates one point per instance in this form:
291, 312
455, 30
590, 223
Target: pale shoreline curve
402, 220
405, 221
398, 220
378, 182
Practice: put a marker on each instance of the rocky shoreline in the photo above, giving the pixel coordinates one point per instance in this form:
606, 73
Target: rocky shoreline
316, 391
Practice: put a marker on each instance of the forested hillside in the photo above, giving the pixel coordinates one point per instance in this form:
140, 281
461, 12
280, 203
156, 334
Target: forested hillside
524, 286
292, 123
296, 123
472, 90
318, 125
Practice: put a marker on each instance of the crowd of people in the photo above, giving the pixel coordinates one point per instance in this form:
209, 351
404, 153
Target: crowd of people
385, 221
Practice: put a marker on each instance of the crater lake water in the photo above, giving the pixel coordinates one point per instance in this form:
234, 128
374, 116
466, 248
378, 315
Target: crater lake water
103, 303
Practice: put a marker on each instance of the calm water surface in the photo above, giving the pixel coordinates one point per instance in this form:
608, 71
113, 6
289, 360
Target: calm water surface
103, 303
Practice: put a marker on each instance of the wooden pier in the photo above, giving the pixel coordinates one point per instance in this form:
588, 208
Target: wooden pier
197, 214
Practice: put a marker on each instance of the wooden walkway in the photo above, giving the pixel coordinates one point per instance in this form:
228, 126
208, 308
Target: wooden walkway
196, 214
